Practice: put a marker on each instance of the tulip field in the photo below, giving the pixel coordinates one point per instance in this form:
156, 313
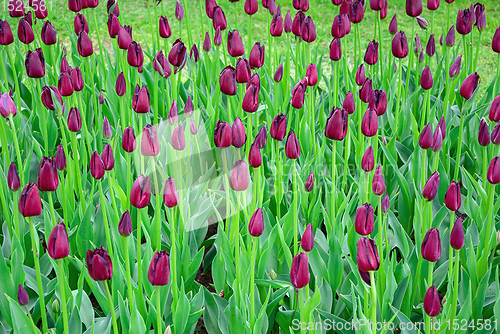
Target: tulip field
223, 170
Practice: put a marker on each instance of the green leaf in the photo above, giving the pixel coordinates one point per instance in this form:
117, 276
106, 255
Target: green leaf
20, 322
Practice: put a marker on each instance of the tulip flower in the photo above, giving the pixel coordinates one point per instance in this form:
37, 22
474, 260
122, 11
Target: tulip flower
336, 124
124, 37
239, 177
425, 139
209, 8
80, 24
378, 183
312, 74
140, 194
242, 71
469, 85
278, 127
219, 19
442, 126
437, 140
385, 203
194, 53
135, 56
217, 37
178, 138
60, 158
161, 65
30, 203
379, 102
173, 114
256, 58
455, 67
348, 104
457, 235
254, 156
261, 138
298, 94
13, 180
449, 41
49, 36
309, 184
207, 43
113, 25
465, 20
140, 100
422, 22
108, 160
493, 173
369, 123
251, 7
65, 84
227, 81
307, 241
51, 97
256, 224
238, 133
276, 29
15, 9
480, 16
7, 106
112, 8
400, 45
288, 23
368, 160
335, 49
65, 66
302, 5
344, 5
159, 269
432, 4
367, 255
426, 81
308, 30
99, 264
6, 36
360, 75
371, 54
101, 98
299, 271
495, 42
58, 245
393, 25
341, 25
431, 187
495, 134
35, 64
92, 3
125, 224
150, 143
292, 146
234, 44
297, 24
431, 245
85, 48
430, 49
413, 8
178, 55
96, 166
417, 45
356, 11
179, 11
47, 179
432, 304
223, 134
484, 133
74, 120
170, 193
494, 114
188, 107
364, 222
22, 296
366, 91
251, 99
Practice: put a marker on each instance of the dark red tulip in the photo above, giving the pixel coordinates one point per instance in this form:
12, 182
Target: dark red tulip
256, 58
209, 8
113, 26
65, 84
344, 6
457, 235
207, 43
494, 114
150, 143
364, 222
437, 140
349, 104
495, 134
393, 25
302, 5
299, 271
22, 296
30, 204
173, 114
288, 23
308, 30
400, 45
261, 138
495, 42
369, 124
379, 102
371, 54
432, 4
480, 16
194, 54
442, 126
58, 245
170, 193
432, 304
227, 81
188, 107
140, 100
47, 179
378, 183
276, 28
465, 21
431, 245
217, 37
178, 138
455, 67
299, 93
256, 224
6, 36
13, 180
449, 41
16, 9
161, 65
159, 269
297, 23
251, 6
140, 194
336, 124
413, 8
112, 8
96, 166
251, 99
278, 127
99, 264
223, 134
48, 33
219, 19
124, 37
469, 85
35, 64
135, 56
307, 241
179, 11
493, 174
426, 81
238, 134
312, 75
422, 22
366, 91
484, 133
431, 187
367, 255
234, 44
7, 106
365, 277
452, 197
60, 158
254, 156
425, 139
243, 72
368, 160
92, 3
309, 184
335, 49
385, 203
107, 131
107, 158
292, 146
360, 75
384, 10
430, 49
85, 48
51, 97
357, 11
341, 26
239, 178
125, 224
74, 120
65, 66
80, 24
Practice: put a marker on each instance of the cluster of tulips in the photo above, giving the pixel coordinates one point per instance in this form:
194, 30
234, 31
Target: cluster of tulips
299, 237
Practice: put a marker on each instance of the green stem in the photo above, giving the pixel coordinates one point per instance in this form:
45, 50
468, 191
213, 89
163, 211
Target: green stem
454, 300
399, 99
477, 51
374, 301
158, 208
424, 167
111, 307
497, 84
112, 193
62, 282
41, 294
130, 292
158, 311
295, 210
42, 119
485, 166
173, 257
334, 179
252, 284
18, 151
226, 187
249, 32
459, 145
16, 82
139, 256
129, 176
52, 211
105, 218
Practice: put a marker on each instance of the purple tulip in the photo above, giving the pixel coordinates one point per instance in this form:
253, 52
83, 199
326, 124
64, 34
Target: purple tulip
140, 194
367, 255
364, 222
159, 269
432, 304
256, 224
58, 245
239, 177
170, 193
299, 271
99, 264
30, 204
431, 245
368, 160
336, 124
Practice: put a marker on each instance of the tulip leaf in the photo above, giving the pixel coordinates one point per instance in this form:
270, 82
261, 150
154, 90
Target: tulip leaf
20, 322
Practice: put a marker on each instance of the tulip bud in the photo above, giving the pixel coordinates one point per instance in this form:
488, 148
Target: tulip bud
150, 143
378, 183
193, 128
13, 180
60, 158
278, 75
371, 54
307, 241
367, 255
261, 138
85, 48
368, 160
251, 7
99, 264
239, 178
278, 127
344, 6
222, 134
209, 8
288, 23
360, 75
457, 235
251, 99
336, 124
495, 42
425, 140
430, 49
369, 124
15, 9
426, 81
25, 31
22, 296
140, 194
297, 23
431, 187
449, 41
432, 304
366, 91
452, 197
179, 11
7, 106
357, 11
484, 133
335, 49
431, 245
494, 114
256, 58
135, 56
364, 222
58, 245
6, 36
80, 24
30, 203
161, 65
178, 138
178, 55
125, 224
469, 85
217, 37
400, 45
299, 271
341, 25
227, 81
113, 25
276, 28
96, 166
47, 179
455, 67
159, 269
35, 64
107, 157
239, 137
422, 22
378, 102
65, 84
77, 79
413, 8
493, 173
393, 25
465, 21
49, 36
385, 203
170, 193
194, 53
256, 224
173, 114
495, 134
219, 19
140, 100
349, 104
309, 184
292, 146
312, 75
298, 94
437, 140
254, 156
124, 37
74, 120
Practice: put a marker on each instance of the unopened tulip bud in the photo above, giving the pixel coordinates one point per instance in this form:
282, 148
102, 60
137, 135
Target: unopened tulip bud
13, 180
60, 158
437, 140
307, 241
425, 139
261, 138
125, 224
430, 49
250, 101
35, 64
30, 203
47, 179
193, 128
336, 124
297, 23
400, 45
80, 24
159, 269
364, 222
251, 7
124, 37
292, 146
455, 67
431, 245
413, 8
457, 235
426, 81
469, 85
432, 304
254, 156
207, 43
85, 48
227, 81
393, 25
108, 160
222, 134
6, 36
141, 100
495, 134
113, 25
452, 197
367, 255
484, 133
278, 75
422, 22
278, 127
217, 37
432, 4
356, 11
107, 131
309, 184
493, 174
219, 19
449, 41
348, 104
368, 160
256, 224
178, 138
96, 166
239, 177
288, 23
188, 107
379, 101
99, 264
235, 44
49, 35
431, 187
150, 143
495, 42
22, 296
58, 245
276, 28
385, 203
360, 75
312, 75
366, 91
25, 31
335, 49
369, 123
299, 271
140, 193
170, 193
298, 94
378, 183
371, 54
7, 106
242, 71
494, 114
